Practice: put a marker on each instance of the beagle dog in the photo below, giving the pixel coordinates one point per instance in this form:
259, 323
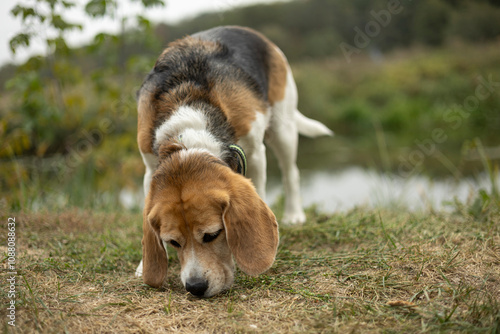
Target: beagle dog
204, 113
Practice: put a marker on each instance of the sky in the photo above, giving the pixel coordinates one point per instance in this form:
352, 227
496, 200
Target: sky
175, 11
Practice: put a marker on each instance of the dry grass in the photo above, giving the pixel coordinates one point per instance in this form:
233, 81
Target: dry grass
362, 271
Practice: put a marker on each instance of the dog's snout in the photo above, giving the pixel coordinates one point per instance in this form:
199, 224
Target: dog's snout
197, 286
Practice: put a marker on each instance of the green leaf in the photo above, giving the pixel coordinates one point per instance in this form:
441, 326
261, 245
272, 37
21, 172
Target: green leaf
152, 3
25, 12
16, 10
103, 37
143, 22
59, 44
20, 40
60, 24
68, 4
98, 8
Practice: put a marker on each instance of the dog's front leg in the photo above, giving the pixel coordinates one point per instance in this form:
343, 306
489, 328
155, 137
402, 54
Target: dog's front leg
150, 162
257, 169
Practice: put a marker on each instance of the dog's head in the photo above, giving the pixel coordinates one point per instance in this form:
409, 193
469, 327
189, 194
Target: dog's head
209, 214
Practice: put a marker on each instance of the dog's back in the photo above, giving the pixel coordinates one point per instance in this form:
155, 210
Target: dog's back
245, 53
234, 71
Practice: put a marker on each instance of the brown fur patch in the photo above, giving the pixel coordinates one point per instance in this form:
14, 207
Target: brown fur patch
145, 122
277, 75
239, 104
277, 70
185, 93
154, 257
186, 43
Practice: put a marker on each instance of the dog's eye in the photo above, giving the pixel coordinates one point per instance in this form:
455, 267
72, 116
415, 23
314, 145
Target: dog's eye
207, 237
175, 244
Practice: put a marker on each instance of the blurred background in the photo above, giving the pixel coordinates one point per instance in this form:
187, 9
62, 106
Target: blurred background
410, 88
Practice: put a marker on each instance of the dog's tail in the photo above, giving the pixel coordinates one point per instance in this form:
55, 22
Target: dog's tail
309, 127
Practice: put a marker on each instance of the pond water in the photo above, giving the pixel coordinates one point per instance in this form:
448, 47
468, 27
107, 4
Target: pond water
354, 187
334, 191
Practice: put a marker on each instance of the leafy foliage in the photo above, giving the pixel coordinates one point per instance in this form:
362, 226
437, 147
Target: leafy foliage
66, 122
98, 8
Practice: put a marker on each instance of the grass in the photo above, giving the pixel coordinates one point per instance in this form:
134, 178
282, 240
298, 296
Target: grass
365, 270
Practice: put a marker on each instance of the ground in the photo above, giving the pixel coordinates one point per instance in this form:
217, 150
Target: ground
367, 270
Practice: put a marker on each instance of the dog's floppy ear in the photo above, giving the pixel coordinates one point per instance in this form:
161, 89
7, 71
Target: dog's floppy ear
154, 255
251, 227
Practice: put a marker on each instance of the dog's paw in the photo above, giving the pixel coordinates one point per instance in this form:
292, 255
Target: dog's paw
294, 218
138, 271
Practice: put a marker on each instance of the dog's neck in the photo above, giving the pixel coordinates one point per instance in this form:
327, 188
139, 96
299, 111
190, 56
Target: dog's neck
199, 127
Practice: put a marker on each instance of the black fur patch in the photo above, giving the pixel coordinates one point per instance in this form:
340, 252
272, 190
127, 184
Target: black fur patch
245, 51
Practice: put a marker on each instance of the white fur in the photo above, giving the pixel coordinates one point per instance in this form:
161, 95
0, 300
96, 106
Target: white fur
184, 154
138, 271
253, 145
201, 139
191, 268
189, 126
184, 118
151, 162
310, 127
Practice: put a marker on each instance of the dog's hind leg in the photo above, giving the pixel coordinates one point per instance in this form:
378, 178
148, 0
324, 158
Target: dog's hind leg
282, 136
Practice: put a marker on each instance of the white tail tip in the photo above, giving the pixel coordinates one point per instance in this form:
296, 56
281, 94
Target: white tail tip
309, 127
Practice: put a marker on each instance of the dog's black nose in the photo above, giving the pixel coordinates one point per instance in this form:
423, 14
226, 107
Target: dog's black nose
197, 287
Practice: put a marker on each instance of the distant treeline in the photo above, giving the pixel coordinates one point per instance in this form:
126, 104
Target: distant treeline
306, 29
322, 28
318, 28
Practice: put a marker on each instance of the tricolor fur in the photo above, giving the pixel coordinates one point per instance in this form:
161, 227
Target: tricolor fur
208, 91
